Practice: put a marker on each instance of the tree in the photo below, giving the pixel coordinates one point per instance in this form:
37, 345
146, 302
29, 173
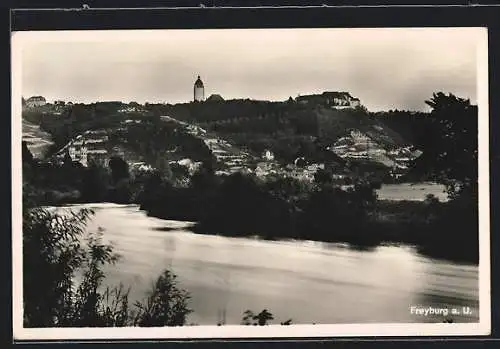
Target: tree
248, 316
27, 156
28, 164
56, 248
450, 154
166, 305
67, 160
322, 177
263, 317
450, 148
94, 184
163, 167
119, 169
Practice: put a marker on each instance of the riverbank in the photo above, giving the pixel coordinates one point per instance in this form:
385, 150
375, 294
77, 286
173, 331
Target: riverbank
388, 193
320, 216
307, 281
417, 191
391, 223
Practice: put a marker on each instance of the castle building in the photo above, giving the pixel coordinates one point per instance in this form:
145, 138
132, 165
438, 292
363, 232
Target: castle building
337, 100
35, 101
199, 90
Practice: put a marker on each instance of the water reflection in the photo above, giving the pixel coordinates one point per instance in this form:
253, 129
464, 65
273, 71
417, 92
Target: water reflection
310, 282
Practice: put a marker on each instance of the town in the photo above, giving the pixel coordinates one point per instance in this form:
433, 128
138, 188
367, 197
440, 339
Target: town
94, 146
249, 177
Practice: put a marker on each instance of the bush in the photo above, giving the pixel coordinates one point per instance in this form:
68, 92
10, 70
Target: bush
261, 319
166, 305
63, 279
56, 250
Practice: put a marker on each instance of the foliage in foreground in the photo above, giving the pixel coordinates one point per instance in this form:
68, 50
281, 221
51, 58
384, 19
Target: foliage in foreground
260, 319
63, 279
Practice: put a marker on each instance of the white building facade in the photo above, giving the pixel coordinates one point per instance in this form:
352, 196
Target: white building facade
199, 90
36, 101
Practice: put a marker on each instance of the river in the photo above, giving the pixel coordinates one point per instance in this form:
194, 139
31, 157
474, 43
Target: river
309, 282
412, 191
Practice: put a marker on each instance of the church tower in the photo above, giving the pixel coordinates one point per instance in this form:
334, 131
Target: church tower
199, 90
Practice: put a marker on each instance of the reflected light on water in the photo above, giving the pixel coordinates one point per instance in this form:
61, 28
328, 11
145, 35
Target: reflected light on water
310, 282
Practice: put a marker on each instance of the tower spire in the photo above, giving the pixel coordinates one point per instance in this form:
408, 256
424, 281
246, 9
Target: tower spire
199, 90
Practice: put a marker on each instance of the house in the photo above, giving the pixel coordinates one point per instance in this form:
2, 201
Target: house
35, 101
145, 168
355, 102
268, 155
315, 167
130, 109
190, 165
211, 142
78, 152
97, 157
330, 99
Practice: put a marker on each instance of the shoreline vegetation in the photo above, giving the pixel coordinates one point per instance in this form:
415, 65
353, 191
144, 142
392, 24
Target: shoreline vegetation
57, 248
67, 252
243, 206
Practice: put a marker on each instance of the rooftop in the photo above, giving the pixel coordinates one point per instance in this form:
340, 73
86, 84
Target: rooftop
198, 82
36, 98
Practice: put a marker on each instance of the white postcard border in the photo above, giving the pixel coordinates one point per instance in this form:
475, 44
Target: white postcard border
483, 327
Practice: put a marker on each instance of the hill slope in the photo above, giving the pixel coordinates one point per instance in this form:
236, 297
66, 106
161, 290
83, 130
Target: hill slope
290, 130
36, 139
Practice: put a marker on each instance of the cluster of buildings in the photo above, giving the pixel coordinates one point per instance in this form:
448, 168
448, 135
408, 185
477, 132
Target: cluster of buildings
337, 100
130, 109
263, 167
87, 148
304, 173
359, 146
33, 102
230, 159
91, 146
404, 156
233, 160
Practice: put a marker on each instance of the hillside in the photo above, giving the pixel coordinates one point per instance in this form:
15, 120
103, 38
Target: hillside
291, 130
333, 124
37, 140
142, 134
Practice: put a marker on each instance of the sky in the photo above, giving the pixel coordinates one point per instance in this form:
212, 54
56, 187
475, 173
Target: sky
386, 69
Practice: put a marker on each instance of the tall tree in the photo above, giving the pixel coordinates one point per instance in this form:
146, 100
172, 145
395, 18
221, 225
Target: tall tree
119, 169
162, 166
27, 156
94, 184
451, 148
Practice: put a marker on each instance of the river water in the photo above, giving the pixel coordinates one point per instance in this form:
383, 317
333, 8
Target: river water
309, 282
412, 191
